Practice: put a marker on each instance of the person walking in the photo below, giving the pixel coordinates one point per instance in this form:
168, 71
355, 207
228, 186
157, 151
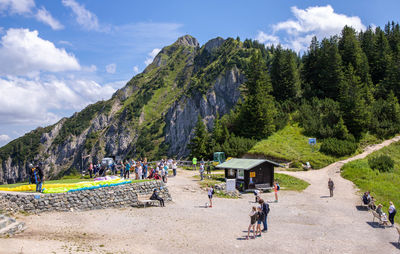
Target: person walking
194, 160
331, 186
201, 171
392, 212
210, 193
265, 210
276, 189
253, 219
208, 168
91, 170
174, 167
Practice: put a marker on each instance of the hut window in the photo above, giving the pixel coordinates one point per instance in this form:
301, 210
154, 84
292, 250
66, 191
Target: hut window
240, 174
231, 173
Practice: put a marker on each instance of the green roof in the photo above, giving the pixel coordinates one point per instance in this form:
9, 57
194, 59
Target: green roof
245, 164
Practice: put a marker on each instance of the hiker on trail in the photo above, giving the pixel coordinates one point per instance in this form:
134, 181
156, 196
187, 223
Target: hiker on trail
265, 210
260, 218
392, 212
174, 167
257, 195
201, 171
331, 186
155, 196
253, 219
39, 177
210, 193
276, 188
194, 163
145, 167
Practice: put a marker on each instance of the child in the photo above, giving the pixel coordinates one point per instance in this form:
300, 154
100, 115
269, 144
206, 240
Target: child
260, 219
253, 218
210, 194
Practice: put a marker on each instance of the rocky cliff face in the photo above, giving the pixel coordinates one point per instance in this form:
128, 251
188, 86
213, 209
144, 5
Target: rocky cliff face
153, 115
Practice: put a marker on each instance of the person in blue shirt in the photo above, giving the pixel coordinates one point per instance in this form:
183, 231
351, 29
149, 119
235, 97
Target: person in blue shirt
127, 169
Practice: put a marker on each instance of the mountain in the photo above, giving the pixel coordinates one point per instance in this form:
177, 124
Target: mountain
152, 116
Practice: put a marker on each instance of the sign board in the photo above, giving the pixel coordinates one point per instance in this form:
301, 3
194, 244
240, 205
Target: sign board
252, 174
230, 185
312, 141
240, 174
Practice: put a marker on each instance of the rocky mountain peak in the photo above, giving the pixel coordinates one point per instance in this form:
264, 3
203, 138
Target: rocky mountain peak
213, 44
187, 40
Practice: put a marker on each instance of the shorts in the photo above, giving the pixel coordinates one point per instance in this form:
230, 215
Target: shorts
210, 196
259, 222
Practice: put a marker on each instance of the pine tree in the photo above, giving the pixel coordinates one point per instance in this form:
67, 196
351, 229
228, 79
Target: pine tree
198, 144
257, 113
285, 76
356, 114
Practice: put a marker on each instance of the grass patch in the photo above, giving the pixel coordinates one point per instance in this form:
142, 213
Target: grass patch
288, 182
212, 180
384, 186
290, 144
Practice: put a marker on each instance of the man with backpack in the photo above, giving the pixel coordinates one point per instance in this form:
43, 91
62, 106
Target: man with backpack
265, 209
39, 177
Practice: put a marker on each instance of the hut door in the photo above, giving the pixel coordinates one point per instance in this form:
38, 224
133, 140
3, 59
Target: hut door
261, 176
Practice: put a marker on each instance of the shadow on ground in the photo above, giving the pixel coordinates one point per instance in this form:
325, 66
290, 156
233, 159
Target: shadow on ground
361, 208
396, 244
375, 224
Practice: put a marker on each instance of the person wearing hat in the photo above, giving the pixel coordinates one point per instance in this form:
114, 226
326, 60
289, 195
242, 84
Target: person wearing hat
155, 196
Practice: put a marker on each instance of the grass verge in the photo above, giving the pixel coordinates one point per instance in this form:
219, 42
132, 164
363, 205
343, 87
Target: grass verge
384, 186
292, 183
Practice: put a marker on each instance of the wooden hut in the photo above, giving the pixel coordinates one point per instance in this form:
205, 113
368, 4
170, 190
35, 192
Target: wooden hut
250, 173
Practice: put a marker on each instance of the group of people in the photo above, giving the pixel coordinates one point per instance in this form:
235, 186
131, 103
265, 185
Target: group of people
140, 169
370, 202
258, 215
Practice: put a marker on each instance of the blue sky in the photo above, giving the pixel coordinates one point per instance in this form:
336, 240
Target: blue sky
58, 56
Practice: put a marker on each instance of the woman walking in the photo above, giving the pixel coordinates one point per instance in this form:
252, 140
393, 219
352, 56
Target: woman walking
276, 188
392, 213
253, 218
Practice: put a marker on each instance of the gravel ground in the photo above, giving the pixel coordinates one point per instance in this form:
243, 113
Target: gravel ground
302, 222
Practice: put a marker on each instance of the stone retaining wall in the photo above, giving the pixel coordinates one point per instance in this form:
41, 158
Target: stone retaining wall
125, 195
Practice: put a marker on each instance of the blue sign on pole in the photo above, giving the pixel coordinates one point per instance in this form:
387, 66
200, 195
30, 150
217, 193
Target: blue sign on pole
312, 141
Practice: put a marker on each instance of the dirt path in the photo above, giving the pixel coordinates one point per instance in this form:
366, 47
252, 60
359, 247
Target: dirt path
302, 222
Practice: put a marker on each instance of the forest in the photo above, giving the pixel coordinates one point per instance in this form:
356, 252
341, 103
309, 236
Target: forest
340, 89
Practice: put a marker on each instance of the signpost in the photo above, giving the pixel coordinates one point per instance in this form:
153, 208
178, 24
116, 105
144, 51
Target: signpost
230, 185
312, 142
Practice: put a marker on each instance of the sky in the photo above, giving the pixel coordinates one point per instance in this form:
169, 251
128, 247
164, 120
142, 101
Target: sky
58, 56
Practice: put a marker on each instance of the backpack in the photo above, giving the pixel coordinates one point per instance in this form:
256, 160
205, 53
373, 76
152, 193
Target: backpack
278, 187
213, 191
265, 208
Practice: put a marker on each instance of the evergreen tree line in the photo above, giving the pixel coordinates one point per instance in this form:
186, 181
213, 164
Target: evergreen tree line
340, 89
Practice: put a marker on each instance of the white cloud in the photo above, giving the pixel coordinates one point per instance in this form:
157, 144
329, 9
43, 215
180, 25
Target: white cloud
44, 16
4, 138
17, 6
84, 17
319, 21
135, 69
38, 101
111, 68
91, 68
268, 39
151, 56
23, 52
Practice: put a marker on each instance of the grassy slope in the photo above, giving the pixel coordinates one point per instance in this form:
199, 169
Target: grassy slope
288, 182
384, 187
290, 144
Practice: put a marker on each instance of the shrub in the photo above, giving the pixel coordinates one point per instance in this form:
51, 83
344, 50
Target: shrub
296, 164
337, 147
383, 163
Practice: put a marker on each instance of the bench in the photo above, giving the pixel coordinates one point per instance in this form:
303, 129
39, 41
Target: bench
144, 200
382, 220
